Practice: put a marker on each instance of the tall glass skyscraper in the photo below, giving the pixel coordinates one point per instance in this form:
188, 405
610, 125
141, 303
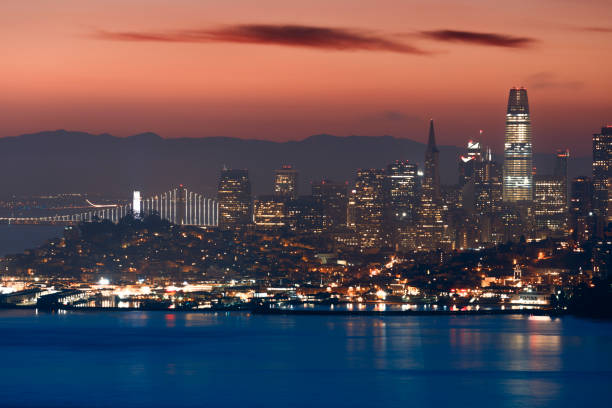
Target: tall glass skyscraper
602, 173
235, 201
518, 179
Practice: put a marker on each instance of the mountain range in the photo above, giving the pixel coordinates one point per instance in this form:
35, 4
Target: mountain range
63, 161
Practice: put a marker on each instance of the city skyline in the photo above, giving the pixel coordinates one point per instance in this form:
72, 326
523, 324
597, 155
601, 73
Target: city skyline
227, 203
239, 72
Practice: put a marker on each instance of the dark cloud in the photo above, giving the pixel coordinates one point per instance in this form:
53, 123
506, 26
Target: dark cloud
547, 80
470, 37
394, 115
597, 29
287, 35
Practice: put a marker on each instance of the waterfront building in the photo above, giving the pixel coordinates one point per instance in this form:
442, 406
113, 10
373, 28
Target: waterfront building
518, 179
234, 195
286, 182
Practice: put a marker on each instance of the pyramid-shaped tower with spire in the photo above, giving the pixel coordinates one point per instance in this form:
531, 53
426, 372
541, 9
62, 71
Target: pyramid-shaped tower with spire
431, 180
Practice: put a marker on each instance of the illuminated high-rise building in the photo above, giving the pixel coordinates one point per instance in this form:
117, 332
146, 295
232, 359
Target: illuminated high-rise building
235, 201
560, 170
333, 200
488, 186
431, 177
550, 206
369, 208
401, 188
582, 219
401, 202
469, 163
430, 231
518, 178
286, 182
269, 212
602, 174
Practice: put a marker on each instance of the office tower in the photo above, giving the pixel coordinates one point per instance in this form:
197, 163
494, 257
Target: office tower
582, 219
401, 203
469, 164
550, 206
351, 209
488, 201
488, 187
602, 173
269, 212
369, 208
518, 179
431, 227
602, 259
304, 215
401, 188
234, 194
431, 177
285, 182
560, 169
332, 198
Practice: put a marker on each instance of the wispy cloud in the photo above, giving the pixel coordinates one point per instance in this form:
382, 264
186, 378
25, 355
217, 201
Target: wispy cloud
471, 37
286, 35
547, 80
597, 29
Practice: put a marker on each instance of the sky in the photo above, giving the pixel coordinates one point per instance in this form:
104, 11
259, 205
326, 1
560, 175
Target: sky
284, 70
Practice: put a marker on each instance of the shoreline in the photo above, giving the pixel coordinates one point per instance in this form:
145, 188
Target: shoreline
267, 311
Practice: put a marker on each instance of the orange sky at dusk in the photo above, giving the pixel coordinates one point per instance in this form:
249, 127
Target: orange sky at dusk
130, 66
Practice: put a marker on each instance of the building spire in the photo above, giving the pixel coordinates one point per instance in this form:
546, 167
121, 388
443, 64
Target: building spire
431, 141
431, 181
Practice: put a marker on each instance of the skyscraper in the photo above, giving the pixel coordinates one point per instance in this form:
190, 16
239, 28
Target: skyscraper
369, 208
469, 164
401, 189
332, 198
550, 209
518, 178
560, 169
235, 201
269, 212
431, 227
602, 173
582, 219
285, 182
304, 214
431, 179
401, 202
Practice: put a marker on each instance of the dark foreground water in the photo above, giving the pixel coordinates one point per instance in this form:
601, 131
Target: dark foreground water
159, 359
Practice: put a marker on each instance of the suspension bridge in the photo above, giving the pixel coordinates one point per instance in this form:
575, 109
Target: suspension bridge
179, 206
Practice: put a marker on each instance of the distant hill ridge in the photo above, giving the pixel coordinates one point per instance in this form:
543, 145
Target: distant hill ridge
71, 161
